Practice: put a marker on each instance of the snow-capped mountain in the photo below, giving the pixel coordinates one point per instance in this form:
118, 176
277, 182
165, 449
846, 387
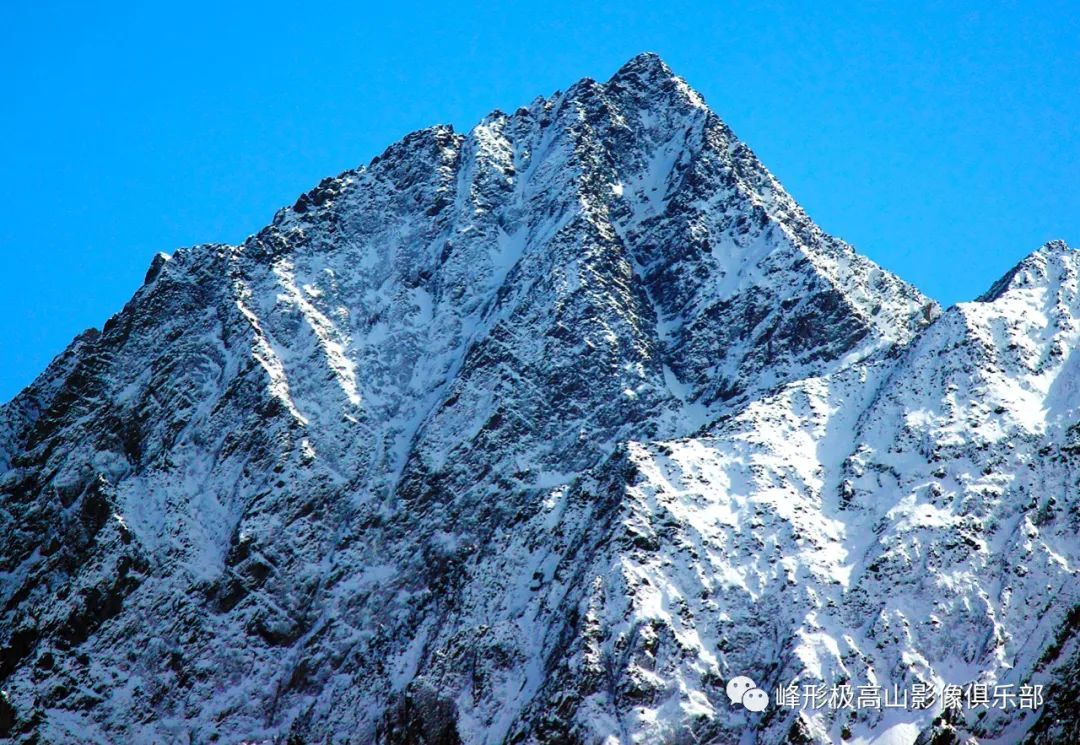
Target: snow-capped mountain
540, 434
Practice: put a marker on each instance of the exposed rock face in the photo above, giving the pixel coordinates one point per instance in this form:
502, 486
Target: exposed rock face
539, 434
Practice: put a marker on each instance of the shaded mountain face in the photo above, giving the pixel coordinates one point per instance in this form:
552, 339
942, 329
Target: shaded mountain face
540, 434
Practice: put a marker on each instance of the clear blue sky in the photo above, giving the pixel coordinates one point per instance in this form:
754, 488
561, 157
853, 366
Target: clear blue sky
941, 141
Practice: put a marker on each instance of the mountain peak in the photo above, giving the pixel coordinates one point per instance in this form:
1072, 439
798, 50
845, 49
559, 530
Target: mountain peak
1057, 246
645, 65
1036, 269
647, 78
387, 452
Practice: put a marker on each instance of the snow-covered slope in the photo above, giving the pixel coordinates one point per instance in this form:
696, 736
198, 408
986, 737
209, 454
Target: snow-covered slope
539, 433
898, 521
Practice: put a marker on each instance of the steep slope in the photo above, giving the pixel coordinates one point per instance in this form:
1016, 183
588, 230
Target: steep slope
537, 433
898, 521
968, 462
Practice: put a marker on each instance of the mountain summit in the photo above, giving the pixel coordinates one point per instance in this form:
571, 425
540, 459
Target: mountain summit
540, 434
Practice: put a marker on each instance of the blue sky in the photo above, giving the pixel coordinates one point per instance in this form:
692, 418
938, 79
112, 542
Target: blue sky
941, 140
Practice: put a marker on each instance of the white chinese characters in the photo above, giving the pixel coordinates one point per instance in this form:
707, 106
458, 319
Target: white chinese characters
919, 696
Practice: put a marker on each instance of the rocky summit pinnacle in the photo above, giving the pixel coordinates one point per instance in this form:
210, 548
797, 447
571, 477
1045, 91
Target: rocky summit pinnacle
646, 65
541, 433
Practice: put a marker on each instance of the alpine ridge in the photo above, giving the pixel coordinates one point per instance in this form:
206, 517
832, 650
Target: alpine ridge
540, 433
